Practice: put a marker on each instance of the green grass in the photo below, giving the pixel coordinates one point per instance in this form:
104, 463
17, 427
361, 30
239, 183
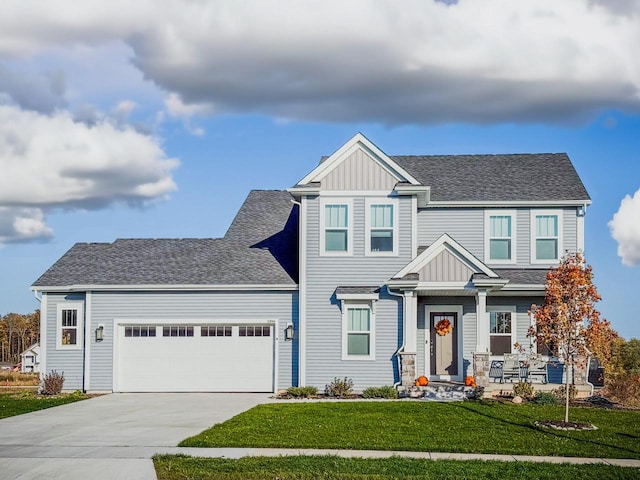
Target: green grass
467, 427
169, 467
24, 402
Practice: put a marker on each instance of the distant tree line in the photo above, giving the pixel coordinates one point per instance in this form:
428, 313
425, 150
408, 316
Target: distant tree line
17, 333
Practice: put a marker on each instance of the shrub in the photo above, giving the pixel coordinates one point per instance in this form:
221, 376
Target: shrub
624, 389
559, 392
52, 383
302, 392
339, 388
523, 389
546, 398
386, 391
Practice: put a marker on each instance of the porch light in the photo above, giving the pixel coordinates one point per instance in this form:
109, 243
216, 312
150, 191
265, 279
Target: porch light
100, 333
288, 332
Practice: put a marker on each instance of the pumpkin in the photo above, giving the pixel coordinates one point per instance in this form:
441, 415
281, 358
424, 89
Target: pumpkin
422, 381
470, 382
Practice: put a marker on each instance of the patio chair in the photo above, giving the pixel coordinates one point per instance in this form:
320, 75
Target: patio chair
510, 367
537, 367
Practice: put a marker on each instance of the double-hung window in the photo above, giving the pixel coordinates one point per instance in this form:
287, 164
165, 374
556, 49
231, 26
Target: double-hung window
336, 228
501, 330
69, 325
381, 235
500, 237
545, 236
358, 332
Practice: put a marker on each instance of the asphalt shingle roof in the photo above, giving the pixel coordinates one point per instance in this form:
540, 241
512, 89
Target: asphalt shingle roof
259, 248
513, 177
520, 276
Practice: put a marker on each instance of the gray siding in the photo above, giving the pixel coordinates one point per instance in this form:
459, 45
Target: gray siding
464, 225
323, 314
67, 361
359, 172
202, 306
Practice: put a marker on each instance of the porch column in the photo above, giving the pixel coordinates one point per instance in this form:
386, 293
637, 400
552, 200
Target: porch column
408, 355
482, 325
410, 321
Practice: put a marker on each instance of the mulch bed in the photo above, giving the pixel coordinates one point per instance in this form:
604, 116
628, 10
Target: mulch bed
562, 425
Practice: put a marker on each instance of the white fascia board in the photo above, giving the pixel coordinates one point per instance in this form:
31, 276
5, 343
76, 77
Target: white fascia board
435, 249
301, 190
197, 287
514, 203
357, 296
358, 141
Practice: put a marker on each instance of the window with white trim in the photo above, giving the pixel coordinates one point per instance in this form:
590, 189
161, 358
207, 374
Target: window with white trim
336, 226
69, 325
381, 225
500, 236
358, 329
501, 329
546, 242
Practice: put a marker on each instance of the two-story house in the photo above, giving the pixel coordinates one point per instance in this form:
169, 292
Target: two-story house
374, 267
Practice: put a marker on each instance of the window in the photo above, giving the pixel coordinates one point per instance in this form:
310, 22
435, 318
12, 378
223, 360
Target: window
358, 332
500, 236
215, 331
501, 330
177, 331
254, 331
381, 227
336, 226
140, 331
69, 325
545, 237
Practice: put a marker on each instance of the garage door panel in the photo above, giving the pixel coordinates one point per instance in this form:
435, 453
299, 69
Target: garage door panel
197, 363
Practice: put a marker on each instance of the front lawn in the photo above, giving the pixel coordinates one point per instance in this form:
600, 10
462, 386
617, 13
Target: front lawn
24, 402
467, 427
170, 467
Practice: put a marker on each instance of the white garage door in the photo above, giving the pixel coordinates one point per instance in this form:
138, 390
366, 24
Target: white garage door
195, 358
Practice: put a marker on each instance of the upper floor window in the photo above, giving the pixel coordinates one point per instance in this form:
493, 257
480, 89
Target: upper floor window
381, 235
545, 236
357, 332
69, 325
500, 236
336, 228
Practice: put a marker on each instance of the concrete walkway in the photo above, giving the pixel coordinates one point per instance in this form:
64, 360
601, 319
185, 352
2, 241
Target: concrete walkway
115, 436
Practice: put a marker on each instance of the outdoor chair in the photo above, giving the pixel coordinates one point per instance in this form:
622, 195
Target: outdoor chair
537, 367
510, 367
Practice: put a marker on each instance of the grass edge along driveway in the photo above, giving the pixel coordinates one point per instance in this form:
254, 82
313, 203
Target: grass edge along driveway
174, 467
19, 403
462, 427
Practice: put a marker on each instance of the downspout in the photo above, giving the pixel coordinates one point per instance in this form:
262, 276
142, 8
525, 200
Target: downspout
35, 294
401, 347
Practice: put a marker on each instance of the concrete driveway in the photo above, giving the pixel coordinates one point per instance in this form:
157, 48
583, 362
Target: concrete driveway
112, 436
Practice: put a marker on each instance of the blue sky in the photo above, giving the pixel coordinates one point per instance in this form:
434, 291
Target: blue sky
114, 127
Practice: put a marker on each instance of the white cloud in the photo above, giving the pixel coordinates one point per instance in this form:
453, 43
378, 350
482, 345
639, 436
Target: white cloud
55, 162
426, 62
625, 229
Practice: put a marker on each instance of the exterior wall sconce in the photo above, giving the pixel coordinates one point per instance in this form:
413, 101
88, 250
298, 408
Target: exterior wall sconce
288, 332
100, 333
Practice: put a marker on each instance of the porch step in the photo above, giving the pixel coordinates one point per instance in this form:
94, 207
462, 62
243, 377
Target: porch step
437, 393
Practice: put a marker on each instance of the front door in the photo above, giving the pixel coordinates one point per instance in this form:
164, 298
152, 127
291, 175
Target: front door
444, 344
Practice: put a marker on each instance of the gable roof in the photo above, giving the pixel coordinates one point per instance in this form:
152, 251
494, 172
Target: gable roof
260, 248
531, 177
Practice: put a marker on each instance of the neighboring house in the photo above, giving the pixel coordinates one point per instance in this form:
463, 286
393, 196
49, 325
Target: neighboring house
30, 359
361, 261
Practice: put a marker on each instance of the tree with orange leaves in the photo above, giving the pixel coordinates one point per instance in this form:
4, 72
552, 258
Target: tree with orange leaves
568, 322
